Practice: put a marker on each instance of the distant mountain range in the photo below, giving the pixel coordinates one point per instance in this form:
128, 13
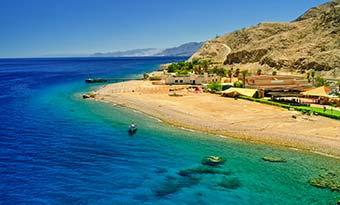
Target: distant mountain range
183, 50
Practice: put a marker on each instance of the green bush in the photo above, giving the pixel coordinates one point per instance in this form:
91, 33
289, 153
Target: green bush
215, 86
238, 84
188, 66
145, 76
182, 72
155, 78
259, 71
319, 81
218, 71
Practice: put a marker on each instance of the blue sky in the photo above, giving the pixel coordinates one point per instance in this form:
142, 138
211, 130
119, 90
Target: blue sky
30, 28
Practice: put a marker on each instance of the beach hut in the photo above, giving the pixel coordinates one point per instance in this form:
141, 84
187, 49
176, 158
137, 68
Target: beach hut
231, 92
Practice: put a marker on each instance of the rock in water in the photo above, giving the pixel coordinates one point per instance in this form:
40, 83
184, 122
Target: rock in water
89, 95
213, 161
85, 96
328, 180
172, 185
229, 183
161, 170
318, 182
201, 170
273, 159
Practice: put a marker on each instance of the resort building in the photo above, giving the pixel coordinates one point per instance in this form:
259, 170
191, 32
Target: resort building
191, 79
269, 85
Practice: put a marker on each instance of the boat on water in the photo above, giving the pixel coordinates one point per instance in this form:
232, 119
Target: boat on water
96, 80
132, 128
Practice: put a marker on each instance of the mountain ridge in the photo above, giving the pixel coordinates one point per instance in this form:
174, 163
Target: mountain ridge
186, 49
311, 41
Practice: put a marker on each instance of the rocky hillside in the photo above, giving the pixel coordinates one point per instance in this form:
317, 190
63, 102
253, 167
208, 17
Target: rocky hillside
312, 41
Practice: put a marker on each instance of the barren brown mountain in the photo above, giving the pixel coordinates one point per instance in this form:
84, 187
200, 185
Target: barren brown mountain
312, 41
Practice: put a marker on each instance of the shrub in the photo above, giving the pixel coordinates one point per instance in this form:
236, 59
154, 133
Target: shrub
155, 78
238, 84
259, 71
182, 72
145, 76
190, 66
218, 71
215, 86
173, 67
319, 81
237, 72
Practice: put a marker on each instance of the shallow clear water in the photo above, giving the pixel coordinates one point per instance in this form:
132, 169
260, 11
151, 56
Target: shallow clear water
56, 148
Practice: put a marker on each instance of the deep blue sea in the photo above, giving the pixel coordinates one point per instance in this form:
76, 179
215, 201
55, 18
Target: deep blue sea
56, 148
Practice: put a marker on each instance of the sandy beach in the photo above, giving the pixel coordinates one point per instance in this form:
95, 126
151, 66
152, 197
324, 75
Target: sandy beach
249, 121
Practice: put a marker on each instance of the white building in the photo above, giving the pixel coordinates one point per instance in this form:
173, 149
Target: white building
191, 79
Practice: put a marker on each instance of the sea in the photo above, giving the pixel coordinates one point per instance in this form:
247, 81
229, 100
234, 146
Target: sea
57, 148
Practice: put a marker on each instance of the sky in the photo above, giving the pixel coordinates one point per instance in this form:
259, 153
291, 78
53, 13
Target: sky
37, 28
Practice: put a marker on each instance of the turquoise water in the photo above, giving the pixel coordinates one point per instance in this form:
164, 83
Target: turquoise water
57, 148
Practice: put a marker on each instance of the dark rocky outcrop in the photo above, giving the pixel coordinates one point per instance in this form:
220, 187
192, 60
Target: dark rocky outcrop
273, 159
202, 170
229, 183
328, 180
174, 184
244, 56
89, 95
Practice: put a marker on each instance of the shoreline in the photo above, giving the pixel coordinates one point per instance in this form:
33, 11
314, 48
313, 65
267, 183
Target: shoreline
153, 100
222, 136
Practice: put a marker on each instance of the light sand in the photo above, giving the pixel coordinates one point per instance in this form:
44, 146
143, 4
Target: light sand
242, 119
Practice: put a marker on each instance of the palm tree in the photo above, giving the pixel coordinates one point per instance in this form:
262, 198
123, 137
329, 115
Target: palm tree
205, 65
312, 74
230, 74
274, 72
259, 71
244, 74
237, 72
308, 77
197, 69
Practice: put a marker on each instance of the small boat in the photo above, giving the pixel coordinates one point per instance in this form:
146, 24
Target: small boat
132, 128
96, 80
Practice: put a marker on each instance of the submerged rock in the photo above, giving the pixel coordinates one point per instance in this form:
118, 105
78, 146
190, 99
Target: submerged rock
201, 170
213, 161
229, 183
317, 182
160, 170
273, 159
327, 180
175, 184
